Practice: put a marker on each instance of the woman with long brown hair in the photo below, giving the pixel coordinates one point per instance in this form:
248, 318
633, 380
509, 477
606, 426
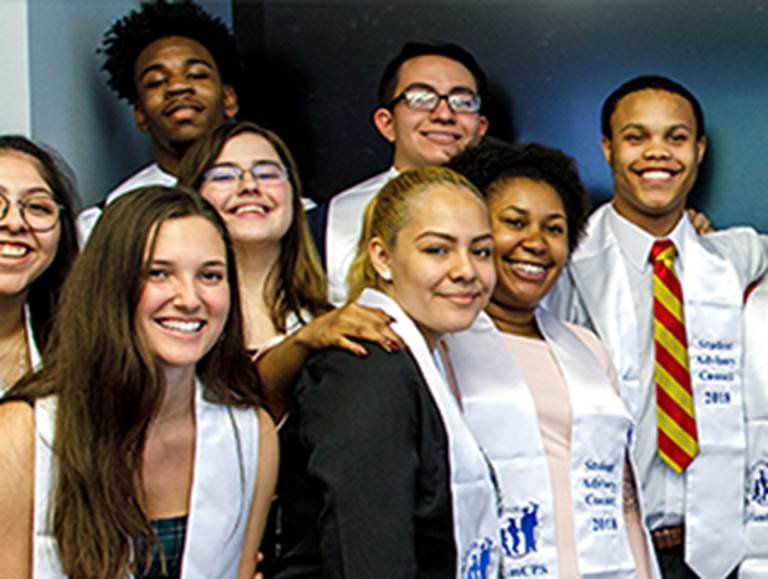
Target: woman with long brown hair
37, 247
140, 448
249, 175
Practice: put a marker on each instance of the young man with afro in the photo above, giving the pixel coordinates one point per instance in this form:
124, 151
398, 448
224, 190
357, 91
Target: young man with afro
176, 65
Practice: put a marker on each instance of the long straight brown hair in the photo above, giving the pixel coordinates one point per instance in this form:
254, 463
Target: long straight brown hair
109, 385
297, 281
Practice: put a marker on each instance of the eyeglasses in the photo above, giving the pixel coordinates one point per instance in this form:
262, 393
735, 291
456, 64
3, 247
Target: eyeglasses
422, 97
265, 173
39, 211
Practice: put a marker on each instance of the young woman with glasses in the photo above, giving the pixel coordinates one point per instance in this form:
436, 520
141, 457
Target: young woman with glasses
249, 175
37, 247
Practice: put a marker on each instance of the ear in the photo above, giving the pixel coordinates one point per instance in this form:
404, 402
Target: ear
701, 147
140, 118
605, 144
385, 123
380, 258
482, 127
231, 106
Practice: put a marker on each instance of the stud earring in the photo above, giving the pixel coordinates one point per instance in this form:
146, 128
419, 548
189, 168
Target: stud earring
386, 275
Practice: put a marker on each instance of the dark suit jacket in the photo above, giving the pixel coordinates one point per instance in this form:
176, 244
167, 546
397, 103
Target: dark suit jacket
364, 478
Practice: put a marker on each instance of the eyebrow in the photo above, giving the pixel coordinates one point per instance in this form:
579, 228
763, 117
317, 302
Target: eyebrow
187, 63
527, 211
451, 238
32, 191
642, 127
208, 263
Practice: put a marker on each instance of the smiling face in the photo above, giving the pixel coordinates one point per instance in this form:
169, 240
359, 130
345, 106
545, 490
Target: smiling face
531, 235
24, 254
423, 138
254, 211
185, 300
180, 93
654, 157
441, 267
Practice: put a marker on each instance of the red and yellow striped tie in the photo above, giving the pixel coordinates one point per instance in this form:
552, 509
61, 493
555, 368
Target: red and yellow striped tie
675, 417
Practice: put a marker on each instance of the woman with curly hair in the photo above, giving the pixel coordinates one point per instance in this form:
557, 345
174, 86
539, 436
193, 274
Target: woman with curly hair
541, 395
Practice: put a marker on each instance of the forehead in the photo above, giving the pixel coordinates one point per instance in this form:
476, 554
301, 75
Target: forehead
528, 194
650, 107
189, 239
447, 208
172, 51
20, 167
248, 147
440, 72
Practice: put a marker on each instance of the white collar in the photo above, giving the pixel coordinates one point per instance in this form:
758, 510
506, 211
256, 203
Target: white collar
635, 242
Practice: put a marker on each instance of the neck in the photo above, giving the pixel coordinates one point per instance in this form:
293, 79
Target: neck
254, 262
655, 225
11, 315
168, 159
179, 394
513, 321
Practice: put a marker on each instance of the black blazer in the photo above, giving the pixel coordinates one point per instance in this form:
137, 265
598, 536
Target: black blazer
364, 485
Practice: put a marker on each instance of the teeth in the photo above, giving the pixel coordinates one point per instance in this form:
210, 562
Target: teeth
251, 209
189, 327
13, 250
446, 137
529, 268
657, 174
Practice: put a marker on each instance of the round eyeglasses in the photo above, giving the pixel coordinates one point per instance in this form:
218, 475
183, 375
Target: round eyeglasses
39, 211
228, 176
423, 97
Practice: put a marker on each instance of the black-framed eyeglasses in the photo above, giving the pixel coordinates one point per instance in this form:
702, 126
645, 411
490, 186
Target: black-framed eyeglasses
422, 97
39, 211
265, 173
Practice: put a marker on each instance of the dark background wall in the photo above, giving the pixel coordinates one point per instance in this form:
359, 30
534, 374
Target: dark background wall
313, 68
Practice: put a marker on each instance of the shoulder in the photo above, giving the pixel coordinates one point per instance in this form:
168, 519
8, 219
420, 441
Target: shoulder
17, 423
374, 183
335, 382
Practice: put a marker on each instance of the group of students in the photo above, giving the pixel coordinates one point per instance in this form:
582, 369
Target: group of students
444, 421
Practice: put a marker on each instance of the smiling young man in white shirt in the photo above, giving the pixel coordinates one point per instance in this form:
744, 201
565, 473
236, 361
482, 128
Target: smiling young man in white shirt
654, 141
430, 99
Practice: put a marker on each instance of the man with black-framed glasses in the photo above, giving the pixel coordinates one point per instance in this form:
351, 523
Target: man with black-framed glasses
430, 109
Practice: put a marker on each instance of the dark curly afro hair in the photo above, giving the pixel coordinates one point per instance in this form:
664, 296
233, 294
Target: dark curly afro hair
128, 36
492, 162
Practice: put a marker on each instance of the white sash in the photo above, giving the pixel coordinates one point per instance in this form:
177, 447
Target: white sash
473, 495
714, 482
344, 224
500, 411
34, 353
756, 406
226, 459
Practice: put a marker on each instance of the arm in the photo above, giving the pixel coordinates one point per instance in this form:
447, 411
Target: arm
266, 478
279, 366
359, 421
17, 433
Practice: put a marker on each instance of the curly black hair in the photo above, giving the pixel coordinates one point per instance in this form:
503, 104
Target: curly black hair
128, 36
492, 162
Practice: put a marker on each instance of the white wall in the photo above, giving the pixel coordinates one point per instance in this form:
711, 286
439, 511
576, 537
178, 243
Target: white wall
14, 68
71, 108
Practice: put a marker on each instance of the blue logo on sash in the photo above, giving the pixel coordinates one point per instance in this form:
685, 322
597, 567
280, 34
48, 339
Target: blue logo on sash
477, 560
520, 530
757, 485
